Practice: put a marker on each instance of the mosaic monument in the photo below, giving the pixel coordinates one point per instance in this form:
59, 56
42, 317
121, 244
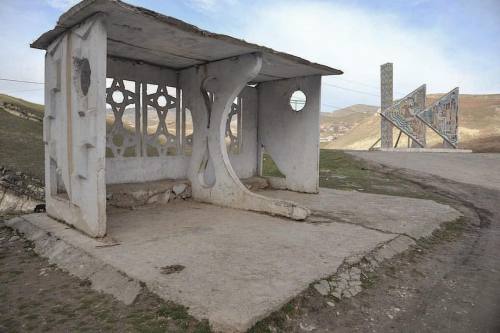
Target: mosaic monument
410, 116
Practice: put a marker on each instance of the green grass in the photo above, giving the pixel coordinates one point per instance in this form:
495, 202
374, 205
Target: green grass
21, 146
36, 108
269, 168
339, 170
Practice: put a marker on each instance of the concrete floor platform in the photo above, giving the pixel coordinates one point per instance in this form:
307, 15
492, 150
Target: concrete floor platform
230, 266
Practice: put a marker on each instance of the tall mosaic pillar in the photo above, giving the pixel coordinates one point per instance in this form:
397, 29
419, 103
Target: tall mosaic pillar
386, 100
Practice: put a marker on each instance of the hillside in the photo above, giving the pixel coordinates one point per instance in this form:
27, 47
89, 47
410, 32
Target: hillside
21, 144
479, 126
336, 124
21, 103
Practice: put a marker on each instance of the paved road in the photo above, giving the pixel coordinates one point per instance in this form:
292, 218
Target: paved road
475, 169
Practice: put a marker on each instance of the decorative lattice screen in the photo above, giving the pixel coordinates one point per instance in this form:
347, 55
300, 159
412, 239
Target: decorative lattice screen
148, 120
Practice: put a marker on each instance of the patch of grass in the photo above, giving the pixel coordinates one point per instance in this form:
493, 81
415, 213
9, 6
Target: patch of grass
341, 171
276, 321
269, 168
174, 311
368, 279
448, 232
21, 144
203, 327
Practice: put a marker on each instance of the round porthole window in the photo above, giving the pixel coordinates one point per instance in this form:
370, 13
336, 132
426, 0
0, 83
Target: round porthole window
298, 101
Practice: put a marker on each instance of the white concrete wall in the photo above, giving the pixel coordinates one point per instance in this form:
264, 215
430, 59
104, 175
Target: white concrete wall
290, 137
74, 125
245, 163
142, 168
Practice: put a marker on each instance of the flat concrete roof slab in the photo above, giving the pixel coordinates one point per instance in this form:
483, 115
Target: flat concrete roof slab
239, 266
140, 34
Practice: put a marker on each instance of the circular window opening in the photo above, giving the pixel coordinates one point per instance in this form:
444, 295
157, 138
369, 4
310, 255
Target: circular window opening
117, 96
298, 101
162, 101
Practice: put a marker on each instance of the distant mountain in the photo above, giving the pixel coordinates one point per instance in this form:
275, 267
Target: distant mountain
479, 126
334, 125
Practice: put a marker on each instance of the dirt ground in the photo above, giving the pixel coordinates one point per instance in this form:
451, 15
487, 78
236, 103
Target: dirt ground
37, 297
448, 283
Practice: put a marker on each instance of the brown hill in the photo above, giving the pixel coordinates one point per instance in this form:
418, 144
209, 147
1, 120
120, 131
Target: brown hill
335, 124
479, 126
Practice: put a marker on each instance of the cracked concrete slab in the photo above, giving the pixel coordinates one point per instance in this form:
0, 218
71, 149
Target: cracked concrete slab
398, 215
237, 266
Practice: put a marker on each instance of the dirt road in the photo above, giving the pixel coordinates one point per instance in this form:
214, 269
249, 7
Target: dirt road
451, 286
448, 283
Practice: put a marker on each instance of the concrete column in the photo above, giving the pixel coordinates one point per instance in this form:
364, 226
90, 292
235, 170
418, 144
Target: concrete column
386, 100
209, 92
75, 127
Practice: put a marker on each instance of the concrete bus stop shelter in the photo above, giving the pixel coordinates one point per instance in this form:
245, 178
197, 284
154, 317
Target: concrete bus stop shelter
144, 65
141, 103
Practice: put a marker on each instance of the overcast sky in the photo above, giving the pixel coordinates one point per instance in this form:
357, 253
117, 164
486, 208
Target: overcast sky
443, 43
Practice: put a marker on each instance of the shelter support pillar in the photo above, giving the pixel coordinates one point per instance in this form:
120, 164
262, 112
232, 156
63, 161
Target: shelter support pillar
75, 127
208, 92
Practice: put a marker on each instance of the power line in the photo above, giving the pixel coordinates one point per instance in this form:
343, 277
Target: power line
357, 82
325, 83
365, 84
20, 81
332, 106
349, 89
24, 90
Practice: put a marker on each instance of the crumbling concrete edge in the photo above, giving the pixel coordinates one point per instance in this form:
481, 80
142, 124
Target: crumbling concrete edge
347, 281
75, 261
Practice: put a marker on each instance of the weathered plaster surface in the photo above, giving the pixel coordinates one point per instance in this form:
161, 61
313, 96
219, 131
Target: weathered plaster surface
212, 176
140, 34
291, 137
73, 123
91, 44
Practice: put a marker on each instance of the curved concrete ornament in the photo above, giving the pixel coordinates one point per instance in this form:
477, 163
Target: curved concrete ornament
209, 92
